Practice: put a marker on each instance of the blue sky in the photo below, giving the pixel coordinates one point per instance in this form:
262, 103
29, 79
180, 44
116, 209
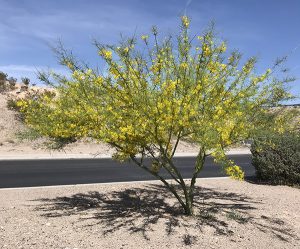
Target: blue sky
265, 28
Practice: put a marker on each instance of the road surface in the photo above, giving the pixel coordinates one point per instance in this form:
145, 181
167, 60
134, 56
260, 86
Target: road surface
29, 173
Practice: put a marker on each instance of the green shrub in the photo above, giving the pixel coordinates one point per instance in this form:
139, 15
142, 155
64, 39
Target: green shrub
29, 134
59, 143
276, 158
26, 81
12, 82
3, 76
12, 105
7, 84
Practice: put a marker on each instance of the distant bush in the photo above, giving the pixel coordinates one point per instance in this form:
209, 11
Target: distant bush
12, 81
12, 104
26, 81
7, 84
276, 158
3, 79
2, 87
3, 76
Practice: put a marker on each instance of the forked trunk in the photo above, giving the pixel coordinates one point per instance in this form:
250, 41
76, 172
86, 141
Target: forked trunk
189, 208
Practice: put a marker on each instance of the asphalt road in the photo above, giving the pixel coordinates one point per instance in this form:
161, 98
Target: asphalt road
29, 173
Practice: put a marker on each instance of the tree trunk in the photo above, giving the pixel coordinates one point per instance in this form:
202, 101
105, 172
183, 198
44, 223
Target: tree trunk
189, 208
188, 200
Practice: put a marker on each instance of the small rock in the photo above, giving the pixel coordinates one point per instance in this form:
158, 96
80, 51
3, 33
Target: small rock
48, 224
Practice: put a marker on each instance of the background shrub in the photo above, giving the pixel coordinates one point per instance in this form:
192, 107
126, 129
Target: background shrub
3, 78
276, 158
26, 81
28, 134
12, 104
12, 82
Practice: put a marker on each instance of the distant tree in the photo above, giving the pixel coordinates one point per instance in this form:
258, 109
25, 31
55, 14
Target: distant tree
3, 76
26, 81
12, 81
150, 98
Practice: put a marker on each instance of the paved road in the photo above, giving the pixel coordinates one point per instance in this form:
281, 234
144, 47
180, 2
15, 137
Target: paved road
28, 173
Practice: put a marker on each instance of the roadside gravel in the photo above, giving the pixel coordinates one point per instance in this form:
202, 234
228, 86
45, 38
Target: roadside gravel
230, 214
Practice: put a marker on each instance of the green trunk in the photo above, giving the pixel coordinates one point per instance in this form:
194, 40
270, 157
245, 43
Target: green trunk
189, 209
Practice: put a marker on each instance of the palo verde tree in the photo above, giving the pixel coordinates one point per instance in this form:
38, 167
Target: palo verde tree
155, 94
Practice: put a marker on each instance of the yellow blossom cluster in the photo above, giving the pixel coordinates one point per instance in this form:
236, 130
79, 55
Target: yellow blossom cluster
147, 100
106, 54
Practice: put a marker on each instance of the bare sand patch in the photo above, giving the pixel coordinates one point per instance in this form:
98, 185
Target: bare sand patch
230, 214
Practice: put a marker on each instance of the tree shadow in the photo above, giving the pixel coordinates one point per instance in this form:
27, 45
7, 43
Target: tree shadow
138, 210
255, 180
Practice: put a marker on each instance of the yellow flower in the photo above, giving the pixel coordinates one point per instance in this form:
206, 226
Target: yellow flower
144, 37
235, 172
183, 65
106, 54
185, 21
206, 51
223, 47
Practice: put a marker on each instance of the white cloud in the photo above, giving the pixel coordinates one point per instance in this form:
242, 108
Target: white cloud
18, 68
30, 71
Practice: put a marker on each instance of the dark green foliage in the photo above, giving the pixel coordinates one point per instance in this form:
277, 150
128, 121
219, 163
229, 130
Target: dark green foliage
29, 134
59, 143
3, 76
12, 105
26, 81
12, 81
7, 84
2, 87
276, 158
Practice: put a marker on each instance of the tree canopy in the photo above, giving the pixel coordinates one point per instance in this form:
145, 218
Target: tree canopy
155, 92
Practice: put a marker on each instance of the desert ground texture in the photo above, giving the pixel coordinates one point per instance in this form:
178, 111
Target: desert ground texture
228, 214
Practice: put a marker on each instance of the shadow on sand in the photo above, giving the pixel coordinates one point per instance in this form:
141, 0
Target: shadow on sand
139, 209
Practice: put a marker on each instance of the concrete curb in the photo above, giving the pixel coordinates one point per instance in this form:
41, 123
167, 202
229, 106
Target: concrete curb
99, 156
111, 183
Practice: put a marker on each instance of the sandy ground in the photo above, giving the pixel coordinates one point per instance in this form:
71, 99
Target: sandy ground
230, 214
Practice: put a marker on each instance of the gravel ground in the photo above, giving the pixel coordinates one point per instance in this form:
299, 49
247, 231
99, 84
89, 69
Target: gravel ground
230, 214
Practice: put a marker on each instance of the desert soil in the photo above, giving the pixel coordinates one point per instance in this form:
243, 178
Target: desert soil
229, 214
